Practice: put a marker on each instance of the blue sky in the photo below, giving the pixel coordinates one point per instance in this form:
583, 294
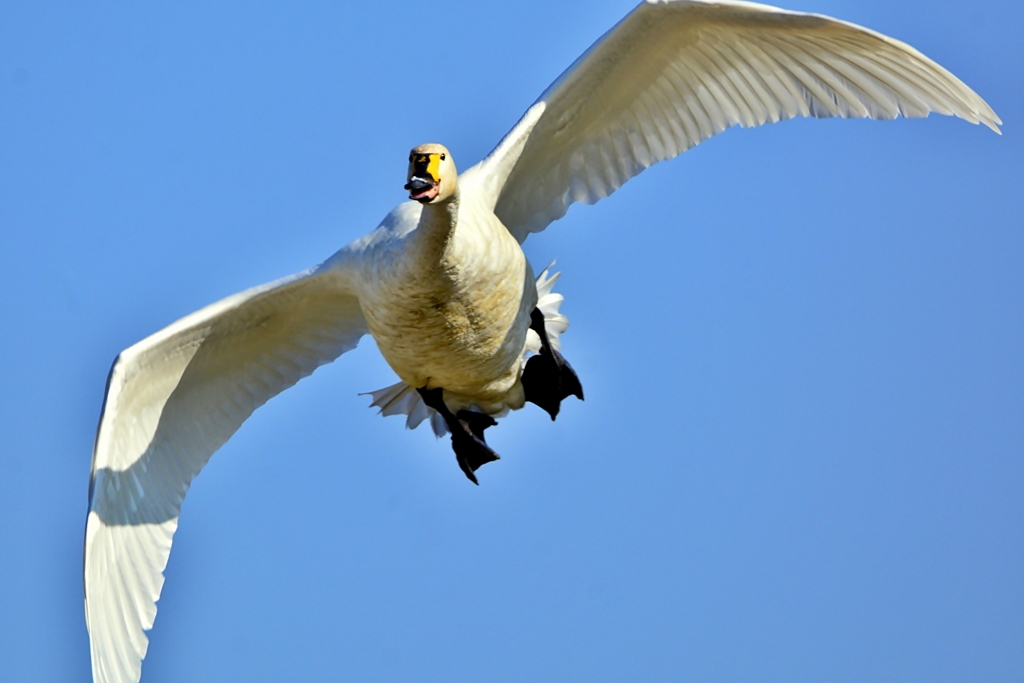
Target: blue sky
800, 457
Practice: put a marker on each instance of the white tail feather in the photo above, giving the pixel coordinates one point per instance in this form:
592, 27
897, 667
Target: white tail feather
401, 399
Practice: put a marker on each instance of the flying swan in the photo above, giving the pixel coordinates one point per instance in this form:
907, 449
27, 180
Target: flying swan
442, 284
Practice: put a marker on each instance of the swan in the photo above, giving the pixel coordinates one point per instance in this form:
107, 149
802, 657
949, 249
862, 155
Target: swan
442, 283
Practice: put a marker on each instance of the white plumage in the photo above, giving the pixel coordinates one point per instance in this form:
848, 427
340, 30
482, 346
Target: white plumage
668, 76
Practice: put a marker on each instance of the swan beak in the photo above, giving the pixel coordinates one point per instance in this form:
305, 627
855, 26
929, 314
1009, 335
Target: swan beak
422, 189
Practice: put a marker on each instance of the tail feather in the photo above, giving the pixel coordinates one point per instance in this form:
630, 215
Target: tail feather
401, 399
554, 322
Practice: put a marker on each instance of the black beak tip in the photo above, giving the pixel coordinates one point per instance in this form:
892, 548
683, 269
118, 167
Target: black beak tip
417, 184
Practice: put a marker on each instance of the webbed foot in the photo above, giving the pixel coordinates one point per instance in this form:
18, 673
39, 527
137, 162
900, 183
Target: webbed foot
548, 378
467, 428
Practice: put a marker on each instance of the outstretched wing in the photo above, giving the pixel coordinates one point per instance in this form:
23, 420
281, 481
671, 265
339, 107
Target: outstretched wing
172, 400
675, 72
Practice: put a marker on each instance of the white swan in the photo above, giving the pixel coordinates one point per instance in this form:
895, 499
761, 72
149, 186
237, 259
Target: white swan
442, 283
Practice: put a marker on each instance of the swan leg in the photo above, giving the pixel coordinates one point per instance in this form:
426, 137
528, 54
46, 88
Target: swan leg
467, 428
548, 378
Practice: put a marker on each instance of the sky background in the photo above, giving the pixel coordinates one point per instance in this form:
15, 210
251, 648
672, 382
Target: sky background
801, 457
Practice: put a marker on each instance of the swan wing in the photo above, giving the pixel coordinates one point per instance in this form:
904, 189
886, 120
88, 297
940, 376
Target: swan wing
171, 401
675, 72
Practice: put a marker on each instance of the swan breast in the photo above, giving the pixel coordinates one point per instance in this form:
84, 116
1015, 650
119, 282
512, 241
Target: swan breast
455, 318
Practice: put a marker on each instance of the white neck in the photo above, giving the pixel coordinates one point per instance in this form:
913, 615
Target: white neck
436, 227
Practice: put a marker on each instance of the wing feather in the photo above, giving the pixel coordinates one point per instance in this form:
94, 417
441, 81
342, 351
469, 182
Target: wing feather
675, 72
172, 400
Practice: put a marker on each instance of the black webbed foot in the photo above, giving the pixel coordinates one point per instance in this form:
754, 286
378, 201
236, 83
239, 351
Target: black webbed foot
548, 378
471, 451
476, 423
467, 428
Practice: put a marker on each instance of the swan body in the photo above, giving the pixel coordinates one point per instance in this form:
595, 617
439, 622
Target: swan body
442, 284
449, 305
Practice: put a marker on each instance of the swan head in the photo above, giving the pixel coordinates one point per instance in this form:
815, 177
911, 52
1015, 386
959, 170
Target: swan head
432, 176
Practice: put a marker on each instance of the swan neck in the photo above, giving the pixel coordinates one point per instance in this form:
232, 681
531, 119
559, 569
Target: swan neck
437, 225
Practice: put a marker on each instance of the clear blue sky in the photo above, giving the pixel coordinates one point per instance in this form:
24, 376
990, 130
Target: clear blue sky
801, 457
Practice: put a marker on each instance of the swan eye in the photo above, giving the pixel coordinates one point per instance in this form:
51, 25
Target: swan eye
442, 157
